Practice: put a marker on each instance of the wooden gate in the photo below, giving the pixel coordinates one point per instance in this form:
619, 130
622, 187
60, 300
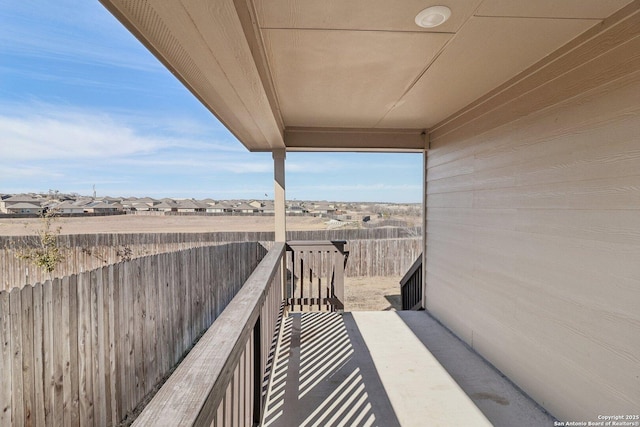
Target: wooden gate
315, 275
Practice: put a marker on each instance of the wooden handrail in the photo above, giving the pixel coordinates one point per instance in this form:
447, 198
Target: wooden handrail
193, 394
316, 270
411, 286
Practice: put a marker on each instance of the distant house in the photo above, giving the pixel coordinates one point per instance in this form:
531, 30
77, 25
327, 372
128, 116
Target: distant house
24, 208
167, 206
191, 206
103, 208
268, 207
216, 208
7, 203
68, 207
83, 201
220, 207
256, 204
139, 207
321, 209
149, 201
111, 200
296, 210
245, 208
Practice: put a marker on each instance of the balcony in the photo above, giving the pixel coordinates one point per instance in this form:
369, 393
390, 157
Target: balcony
284, 353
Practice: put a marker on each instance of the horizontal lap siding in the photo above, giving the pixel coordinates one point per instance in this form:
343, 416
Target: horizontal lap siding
533, 242
89, 348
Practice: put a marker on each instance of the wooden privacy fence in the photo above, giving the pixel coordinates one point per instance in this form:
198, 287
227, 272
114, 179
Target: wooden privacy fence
370, 257
386, 257
316, 275
375, 252
19, 272
411, 286
221, 381
87, 349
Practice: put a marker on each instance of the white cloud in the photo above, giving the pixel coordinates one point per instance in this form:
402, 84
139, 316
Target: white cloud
29, 172
51, 132
74, 137
212, 162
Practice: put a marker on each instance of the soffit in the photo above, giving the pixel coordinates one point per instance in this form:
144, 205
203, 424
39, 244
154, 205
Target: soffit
345, 78
265, 66
371, 15
485, 53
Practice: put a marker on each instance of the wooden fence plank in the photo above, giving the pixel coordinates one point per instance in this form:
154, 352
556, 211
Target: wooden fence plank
182, 301
114, 341
150, 361
186, 327
97, 343
66, 351
158, 291
17, 396
5, 360
47, 350
202, 324
164, 313
73, 409
58, 358
38, 355
124, 359
27, 355
171, 308
138, 333
105, 344
85, 367
129, 381
206, 288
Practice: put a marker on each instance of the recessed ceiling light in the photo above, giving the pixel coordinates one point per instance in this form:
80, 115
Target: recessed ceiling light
433, 16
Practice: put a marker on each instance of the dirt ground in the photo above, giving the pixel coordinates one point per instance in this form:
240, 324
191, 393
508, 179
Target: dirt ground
372, 293
153, 224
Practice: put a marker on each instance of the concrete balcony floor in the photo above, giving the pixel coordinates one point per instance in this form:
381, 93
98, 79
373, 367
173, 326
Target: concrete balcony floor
387, 369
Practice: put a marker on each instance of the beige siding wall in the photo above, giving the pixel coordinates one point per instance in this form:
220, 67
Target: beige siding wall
533, 239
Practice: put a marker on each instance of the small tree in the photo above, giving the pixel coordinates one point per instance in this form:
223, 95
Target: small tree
47, 254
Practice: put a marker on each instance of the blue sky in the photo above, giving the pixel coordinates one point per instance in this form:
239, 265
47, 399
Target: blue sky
82, 102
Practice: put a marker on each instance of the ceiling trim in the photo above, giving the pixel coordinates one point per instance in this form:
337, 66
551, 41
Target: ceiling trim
349, 139
249, 20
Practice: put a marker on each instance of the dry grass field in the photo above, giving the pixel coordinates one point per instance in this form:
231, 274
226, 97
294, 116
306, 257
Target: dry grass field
157, 224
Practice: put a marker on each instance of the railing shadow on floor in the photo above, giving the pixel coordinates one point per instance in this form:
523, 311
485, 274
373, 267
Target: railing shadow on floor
323, 375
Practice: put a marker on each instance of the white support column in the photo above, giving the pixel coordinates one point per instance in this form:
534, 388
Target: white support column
279, 194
